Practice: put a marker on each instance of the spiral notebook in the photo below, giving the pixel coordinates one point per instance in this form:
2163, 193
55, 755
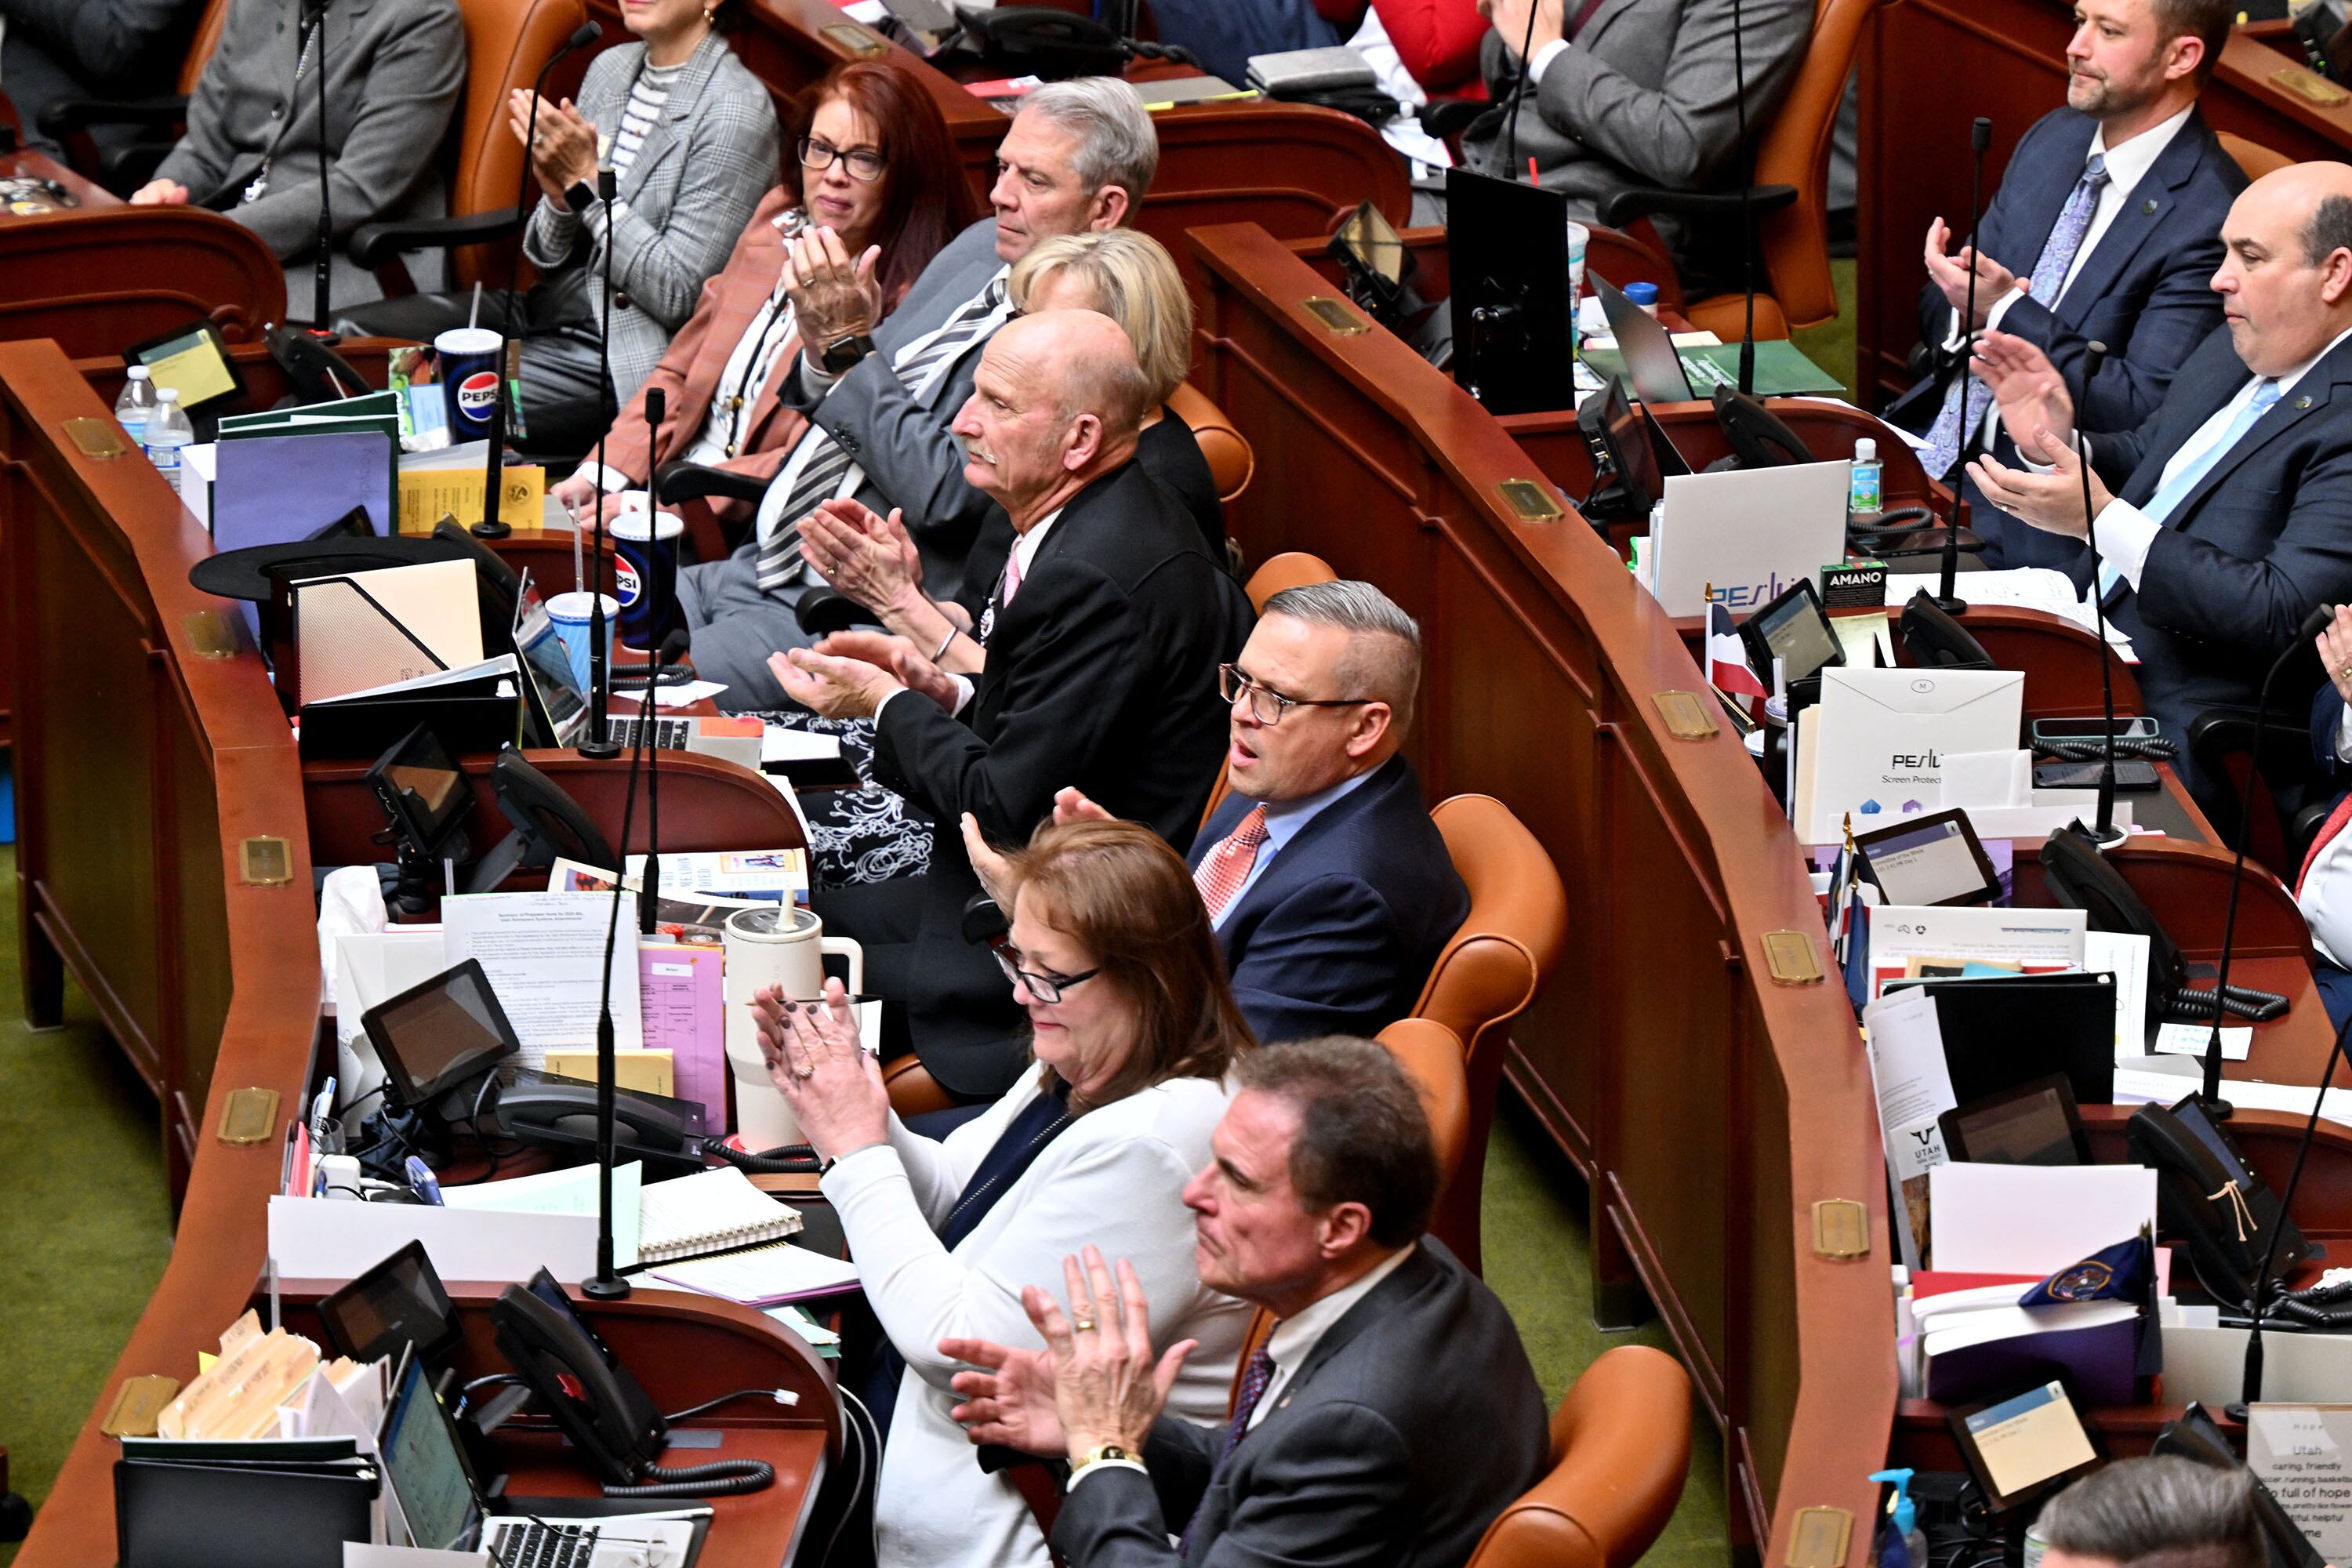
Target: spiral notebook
710, 1211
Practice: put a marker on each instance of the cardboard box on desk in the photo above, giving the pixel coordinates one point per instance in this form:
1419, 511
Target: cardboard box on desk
1749, 533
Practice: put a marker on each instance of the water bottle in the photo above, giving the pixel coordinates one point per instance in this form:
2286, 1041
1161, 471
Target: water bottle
168, 430
137, 402
1863, 497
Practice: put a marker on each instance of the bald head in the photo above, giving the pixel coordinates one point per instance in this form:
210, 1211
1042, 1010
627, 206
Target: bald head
1058, 403
2285, 281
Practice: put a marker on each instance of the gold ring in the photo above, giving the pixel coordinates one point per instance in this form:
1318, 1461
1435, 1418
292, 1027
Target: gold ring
1084, 1325
799, 1071
2346, 672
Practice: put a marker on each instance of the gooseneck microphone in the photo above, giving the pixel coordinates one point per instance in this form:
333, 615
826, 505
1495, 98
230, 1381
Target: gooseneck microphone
315, 12
1519, 92
2106, 834
2313, 624
598, 742
2252, 1389
1947, 599
491, 526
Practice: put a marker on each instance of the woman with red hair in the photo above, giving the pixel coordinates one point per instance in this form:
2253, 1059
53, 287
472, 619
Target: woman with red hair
866, 153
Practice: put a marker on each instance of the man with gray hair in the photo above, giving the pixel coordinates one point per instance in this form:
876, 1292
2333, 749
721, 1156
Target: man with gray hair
1328, 885
880, 394
2165, 1512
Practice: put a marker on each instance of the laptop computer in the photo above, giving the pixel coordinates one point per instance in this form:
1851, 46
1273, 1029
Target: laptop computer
559, 706
1647, 348
444, 1511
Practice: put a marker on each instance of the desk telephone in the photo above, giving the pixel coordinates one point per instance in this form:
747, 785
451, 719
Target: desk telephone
2079, 877
2207, 1193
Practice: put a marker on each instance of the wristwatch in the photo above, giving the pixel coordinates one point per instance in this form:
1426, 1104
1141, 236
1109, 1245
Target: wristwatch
580, 195
1093, 1457
841, 353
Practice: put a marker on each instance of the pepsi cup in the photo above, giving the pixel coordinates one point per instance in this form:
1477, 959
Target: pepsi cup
645, 572
468, 359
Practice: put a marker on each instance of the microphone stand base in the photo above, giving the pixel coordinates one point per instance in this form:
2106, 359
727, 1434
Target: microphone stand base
1951, 604
605, 1287
2214, 1106
2236, 1410
599, 751
2105, 839
487, 530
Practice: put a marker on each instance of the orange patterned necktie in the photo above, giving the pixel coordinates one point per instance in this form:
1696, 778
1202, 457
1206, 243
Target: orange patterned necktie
1227, 867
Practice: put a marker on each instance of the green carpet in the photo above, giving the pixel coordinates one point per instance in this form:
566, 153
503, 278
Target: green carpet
1830, 344
85, 1225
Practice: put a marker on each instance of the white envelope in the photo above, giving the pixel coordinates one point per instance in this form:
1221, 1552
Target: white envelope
1880, 736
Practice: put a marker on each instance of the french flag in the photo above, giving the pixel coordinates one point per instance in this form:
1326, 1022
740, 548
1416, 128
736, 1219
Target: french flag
1726, 660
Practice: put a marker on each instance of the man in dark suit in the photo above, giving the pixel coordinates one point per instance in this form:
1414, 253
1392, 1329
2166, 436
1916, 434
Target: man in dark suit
55, 50
1102, 642
2106, 228
1347, 1441
2226, 517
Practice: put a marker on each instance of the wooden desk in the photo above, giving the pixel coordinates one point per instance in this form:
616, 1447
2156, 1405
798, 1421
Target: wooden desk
99, 279
1929, 67
26, 162
1711, 1105
165, 857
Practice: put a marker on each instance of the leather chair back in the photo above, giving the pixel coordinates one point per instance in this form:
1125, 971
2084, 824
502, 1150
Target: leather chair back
1793, 149
1292, 569
1620, 1449
201, 47
1489, 971
1231, 460
507, 42
1431, 1055
2255, 158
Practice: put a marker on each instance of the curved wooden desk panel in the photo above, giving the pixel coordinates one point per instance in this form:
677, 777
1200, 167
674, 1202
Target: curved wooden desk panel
99, 279
1712, 1106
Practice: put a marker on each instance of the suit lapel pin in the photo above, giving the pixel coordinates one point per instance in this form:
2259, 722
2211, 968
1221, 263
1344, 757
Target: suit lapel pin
2303, 403
2149, 205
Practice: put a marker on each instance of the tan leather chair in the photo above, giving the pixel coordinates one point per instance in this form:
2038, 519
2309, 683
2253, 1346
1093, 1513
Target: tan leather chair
201, 47
1431, 1055
1488, 973
1620, 1449
1230, 461
2255, 158
1793, 286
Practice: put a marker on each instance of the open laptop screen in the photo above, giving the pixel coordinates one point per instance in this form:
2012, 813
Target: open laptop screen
1647, 348
557, 704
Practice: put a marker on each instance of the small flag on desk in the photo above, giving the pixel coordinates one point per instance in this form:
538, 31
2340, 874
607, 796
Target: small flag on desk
1727, 659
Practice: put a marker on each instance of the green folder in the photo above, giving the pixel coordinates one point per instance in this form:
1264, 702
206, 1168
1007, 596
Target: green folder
1781, 371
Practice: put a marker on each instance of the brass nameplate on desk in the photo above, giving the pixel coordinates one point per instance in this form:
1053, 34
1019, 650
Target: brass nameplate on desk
1530, 501
212, 634
265, 862
860, 43
1685, 714
1820, 1539
2309, 86
250, 1117
137, 1405
99, 438
1791, 958
1337, 319
1841, 1228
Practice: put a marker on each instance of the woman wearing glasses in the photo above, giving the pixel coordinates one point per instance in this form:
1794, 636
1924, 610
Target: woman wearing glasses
1133, 1033
868, 155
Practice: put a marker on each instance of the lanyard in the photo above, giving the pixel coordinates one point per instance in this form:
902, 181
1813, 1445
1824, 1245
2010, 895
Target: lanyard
779, 315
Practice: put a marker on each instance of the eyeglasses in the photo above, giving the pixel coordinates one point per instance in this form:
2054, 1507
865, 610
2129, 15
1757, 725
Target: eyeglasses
864, 164
1267, 706
1046, 988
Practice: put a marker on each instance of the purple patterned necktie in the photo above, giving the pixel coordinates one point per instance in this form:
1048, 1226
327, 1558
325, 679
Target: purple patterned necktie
1946, 436
1254, 1379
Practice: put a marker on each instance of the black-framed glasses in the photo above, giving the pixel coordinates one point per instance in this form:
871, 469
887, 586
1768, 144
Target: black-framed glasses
864, 164
1046, 988
1267, 705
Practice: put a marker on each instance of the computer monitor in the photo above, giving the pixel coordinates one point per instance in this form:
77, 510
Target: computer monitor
1506, 253
1652, 361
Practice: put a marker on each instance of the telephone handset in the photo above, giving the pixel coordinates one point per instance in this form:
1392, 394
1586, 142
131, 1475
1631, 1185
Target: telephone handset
2079, 877
1043, 40
319, 374
2194, 1435
1760, 439
2207, 1192
568, 1111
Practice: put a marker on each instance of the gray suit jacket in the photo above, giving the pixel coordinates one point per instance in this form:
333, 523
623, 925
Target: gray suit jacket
395, 69
686, 198
1414, 1421
912, 460
58, 49
1642, 95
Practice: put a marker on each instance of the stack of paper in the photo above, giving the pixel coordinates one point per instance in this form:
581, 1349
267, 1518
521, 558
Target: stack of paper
450, 480
763, 1276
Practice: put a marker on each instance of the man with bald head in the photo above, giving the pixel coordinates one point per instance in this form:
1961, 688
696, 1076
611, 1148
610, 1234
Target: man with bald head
2225, 518
1102, 638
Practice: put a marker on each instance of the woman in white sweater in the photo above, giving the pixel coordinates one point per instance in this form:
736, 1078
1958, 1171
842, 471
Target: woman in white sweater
1134, 1030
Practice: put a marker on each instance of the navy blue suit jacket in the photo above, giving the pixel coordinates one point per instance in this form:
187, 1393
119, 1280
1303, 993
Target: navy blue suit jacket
2145, 291
1338, 933
2263, 538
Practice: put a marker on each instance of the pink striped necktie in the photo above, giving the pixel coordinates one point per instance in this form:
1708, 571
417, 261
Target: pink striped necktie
1226, 868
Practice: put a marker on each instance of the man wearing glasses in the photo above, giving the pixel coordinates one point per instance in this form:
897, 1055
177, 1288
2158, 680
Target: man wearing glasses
1102, 641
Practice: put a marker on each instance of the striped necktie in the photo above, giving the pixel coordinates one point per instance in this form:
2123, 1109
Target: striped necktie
826, 469
2175, 490
1953, 421
1255, 1379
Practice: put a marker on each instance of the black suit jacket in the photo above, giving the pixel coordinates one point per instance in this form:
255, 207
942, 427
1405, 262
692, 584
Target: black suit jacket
60, 49
1414, 1421
1102, 674
1336, 935
2145, 291
2264, 537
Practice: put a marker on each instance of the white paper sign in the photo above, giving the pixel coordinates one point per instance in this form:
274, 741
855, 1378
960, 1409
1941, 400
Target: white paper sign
544, 955
2298, 1451
1907, 1069
2190, 1040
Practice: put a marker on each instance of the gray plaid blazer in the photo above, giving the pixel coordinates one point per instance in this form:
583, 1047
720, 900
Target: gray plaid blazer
702, 170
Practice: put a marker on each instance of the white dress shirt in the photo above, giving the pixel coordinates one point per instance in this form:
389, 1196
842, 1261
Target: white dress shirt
2122, 532
2326, 896
1295, 1338
1025, 551
1284, 818
2127, 166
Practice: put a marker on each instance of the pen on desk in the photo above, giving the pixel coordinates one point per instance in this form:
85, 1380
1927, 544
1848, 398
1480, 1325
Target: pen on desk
420, 1176
323, 1112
